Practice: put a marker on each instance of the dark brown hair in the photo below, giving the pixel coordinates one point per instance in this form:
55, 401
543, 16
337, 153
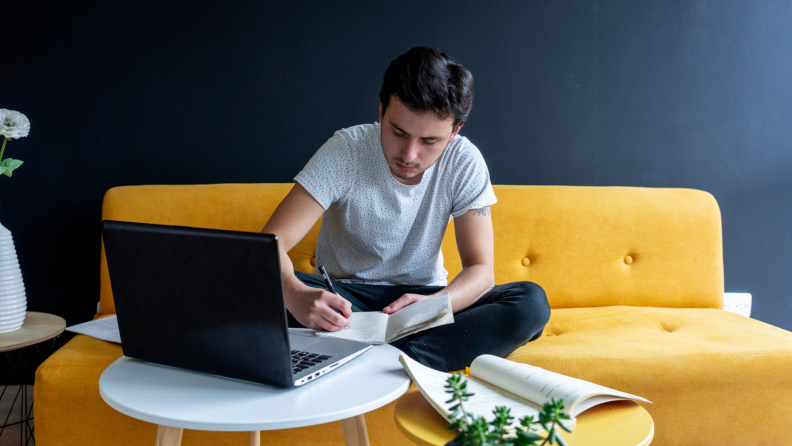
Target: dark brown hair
426, 80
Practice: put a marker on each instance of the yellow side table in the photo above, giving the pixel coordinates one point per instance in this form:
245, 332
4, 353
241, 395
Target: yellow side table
619, 423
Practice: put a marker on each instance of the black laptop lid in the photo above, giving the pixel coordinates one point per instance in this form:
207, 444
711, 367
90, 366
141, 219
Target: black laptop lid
200, 299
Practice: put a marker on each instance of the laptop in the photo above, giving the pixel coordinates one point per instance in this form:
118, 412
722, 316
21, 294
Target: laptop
211, 301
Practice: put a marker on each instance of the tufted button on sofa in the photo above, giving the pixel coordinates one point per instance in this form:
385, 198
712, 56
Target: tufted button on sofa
634, 277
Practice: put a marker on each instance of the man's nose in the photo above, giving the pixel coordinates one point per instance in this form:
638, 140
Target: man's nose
410, 151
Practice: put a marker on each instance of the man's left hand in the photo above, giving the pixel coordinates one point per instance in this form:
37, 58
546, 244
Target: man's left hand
403, 301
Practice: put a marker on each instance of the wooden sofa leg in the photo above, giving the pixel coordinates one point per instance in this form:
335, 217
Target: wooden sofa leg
169, 436
355, 431
255, 438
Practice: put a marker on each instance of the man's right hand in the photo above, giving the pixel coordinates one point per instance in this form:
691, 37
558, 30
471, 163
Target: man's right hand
313, 307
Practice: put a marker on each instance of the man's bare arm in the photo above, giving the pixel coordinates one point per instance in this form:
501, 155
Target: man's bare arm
475, 242
312, 307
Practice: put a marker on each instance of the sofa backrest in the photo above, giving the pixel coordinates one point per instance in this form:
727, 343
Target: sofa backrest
586, 246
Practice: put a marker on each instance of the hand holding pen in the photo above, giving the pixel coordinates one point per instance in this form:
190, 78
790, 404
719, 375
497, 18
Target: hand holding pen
328, 283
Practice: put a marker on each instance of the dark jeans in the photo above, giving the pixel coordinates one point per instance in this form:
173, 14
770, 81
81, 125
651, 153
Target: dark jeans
502, 320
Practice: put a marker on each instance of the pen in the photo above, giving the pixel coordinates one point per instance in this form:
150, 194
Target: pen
326, 279
328, 284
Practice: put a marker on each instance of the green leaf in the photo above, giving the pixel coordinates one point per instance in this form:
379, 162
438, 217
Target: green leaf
561, 441
529, 436
8, 165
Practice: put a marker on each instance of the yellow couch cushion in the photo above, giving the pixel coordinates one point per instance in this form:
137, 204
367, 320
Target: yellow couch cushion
70, 411
601, 246
710, 374
586, 246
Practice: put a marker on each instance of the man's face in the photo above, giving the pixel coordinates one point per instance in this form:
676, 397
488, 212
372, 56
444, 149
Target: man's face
411, 141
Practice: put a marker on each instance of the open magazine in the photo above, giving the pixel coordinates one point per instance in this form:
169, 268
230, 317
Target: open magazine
376, 327
524, 388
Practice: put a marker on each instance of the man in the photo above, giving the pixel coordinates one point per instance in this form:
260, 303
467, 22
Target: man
387, 191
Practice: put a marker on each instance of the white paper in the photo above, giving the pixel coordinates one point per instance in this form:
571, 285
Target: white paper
105, 329
416, 317
368, 327
540, 385
376, 327
485, 397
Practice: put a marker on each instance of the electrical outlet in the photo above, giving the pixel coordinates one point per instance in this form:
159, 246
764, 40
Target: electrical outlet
739, 303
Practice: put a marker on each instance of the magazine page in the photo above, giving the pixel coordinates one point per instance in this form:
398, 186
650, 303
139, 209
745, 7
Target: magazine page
485, 397
539, 385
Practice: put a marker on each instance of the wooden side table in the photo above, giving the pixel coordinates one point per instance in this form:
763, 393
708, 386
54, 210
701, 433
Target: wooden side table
620, 423
37, 328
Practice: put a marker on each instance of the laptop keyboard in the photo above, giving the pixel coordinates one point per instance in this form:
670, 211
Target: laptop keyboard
303, 360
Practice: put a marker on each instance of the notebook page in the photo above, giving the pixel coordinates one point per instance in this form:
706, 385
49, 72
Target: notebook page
368, 327
414, 315
539, 385
445, 317
486, 397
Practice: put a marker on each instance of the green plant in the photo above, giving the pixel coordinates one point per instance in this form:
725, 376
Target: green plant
478, 432
12, 125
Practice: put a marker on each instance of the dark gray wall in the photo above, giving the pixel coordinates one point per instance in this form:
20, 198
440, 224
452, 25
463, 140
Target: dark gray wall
662, 93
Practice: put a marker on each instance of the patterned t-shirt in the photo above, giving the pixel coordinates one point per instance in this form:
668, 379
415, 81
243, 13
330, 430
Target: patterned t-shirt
376, 230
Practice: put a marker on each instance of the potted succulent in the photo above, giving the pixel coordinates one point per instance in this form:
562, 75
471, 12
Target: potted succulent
13, 301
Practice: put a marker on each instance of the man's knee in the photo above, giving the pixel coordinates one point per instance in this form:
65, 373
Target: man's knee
533, 307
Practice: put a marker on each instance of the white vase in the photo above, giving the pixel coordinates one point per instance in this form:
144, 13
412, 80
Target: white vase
13, 302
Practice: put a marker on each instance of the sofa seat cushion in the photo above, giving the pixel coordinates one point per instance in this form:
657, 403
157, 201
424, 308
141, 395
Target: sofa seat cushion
708, 372
69, 410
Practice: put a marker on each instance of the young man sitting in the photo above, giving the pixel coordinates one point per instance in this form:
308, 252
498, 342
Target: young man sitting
387, 192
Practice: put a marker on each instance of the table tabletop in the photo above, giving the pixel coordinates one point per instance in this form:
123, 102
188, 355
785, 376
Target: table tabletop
38, 327
620, 423
191, 400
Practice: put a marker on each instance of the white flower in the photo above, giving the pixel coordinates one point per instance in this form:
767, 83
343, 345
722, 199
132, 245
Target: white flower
13, 124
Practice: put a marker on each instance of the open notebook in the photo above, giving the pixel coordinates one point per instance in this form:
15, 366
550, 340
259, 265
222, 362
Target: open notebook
524, 388
376, 327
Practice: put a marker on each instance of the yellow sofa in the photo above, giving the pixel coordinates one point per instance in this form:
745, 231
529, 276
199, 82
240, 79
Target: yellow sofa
634, 277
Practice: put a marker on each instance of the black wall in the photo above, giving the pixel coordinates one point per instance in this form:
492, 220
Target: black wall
686, 93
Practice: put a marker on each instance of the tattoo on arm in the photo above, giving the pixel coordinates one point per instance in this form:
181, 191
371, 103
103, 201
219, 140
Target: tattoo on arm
483, 211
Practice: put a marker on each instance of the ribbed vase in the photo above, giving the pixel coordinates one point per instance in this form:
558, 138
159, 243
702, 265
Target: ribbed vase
13, 302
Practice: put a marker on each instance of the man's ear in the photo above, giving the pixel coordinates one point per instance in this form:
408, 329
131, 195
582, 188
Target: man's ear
380, 110
456, 130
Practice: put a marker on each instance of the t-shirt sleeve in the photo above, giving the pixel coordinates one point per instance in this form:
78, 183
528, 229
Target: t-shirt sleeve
471, 183
331, 172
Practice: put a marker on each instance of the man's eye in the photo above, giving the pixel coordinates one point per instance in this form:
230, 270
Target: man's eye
399, 134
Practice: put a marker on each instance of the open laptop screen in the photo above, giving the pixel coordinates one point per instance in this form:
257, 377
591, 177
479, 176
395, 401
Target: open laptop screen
200, 299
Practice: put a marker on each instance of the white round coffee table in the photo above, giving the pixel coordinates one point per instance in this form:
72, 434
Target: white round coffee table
178, 399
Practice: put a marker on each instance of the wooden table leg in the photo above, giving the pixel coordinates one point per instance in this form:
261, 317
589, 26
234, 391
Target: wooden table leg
169, 436
255, 438
355, 431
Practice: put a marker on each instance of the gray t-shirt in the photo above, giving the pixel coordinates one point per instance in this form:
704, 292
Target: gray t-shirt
376, 230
